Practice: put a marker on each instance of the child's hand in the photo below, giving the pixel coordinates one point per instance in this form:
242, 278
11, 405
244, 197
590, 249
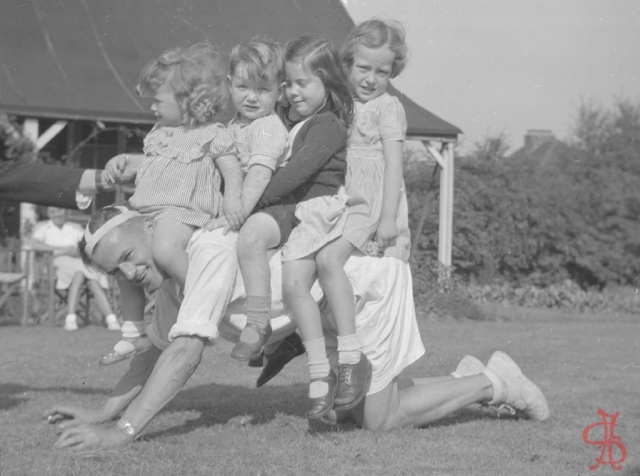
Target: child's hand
216, 223
234, 213
387, 232
114, 169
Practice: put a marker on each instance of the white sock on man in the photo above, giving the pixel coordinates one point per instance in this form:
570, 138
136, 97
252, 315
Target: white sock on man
349, 349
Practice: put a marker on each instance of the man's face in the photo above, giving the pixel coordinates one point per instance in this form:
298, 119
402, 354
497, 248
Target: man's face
125, 252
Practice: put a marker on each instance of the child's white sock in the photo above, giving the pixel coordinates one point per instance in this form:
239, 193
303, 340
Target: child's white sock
318, 366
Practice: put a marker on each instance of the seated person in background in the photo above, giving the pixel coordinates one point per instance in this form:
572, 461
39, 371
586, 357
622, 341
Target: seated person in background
71, 273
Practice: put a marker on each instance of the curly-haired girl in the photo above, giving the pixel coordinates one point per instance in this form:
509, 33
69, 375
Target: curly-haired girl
178, 182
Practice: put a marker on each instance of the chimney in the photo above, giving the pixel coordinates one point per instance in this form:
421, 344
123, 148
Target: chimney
534, 137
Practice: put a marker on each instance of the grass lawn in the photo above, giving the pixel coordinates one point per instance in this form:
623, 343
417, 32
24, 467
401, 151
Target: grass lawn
221, 424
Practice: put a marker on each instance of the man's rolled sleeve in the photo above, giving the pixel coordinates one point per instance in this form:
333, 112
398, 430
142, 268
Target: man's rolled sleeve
210, 284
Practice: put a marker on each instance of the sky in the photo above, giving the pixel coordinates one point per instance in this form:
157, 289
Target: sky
505, 66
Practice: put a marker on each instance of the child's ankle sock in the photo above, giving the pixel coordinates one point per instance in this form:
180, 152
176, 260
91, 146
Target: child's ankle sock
318, 366
258, 308
132, 329
349, 349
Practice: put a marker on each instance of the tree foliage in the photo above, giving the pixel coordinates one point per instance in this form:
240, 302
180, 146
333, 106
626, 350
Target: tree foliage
574, 214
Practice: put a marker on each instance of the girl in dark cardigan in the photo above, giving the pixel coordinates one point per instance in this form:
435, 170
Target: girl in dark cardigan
304, 205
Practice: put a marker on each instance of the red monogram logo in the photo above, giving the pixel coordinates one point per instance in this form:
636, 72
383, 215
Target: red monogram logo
607, 442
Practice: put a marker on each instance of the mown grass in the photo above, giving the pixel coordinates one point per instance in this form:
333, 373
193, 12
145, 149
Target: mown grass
221, 424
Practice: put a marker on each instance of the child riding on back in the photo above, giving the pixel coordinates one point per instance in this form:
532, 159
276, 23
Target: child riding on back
304, 204
186, 156
255, 81
377, 218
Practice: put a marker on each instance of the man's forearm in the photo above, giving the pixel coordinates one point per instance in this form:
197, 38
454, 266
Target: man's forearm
172, 370
130, 384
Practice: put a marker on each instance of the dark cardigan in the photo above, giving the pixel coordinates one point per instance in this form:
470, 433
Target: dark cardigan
317, 165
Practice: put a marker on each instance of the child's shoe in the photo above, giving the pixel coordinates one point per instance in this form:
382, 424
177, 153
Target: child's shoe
353, 383
126, 349
290, 348
511, 387
320, 406
248, 350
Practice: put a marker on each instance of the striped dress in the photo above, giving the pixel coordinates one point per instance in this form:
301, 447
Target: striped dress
178, 178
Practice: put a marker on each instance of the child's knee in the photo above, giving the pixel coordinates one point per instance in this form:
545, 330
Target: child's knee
248, 239
328, 262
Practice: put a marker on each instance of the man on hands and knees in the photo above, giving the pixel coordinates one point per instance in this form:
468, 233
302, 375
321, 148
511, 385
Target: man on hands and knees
119, 242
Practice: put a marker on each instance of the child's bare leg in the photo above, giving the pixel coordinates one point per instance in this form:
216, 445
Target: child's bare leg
297, 277
258, 235
169, 248
337, 288
354, 369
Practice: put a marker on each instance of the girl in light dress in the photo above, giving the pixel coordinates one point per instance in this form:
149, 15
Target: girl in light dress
186, 156
377, 217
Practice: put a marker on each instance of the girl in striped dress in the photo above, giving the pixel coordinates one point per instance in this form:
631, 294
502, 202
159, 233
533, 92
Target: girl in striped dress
178, 182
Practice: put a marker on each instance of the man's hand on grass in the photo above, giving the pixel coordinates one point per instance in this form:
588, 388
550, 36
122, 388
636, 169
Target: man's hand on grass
85, 437
68, 416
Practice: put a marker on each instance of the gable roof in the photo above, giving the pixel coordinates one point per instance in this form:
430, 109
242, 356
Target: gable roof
80, 59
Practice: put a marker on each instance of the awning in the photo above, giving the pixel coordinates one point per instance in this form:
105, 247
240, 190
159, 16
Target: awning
80, 59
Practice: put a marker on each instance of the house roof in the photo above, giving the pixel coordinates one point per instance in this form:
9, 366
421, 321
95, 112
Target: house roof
80, 59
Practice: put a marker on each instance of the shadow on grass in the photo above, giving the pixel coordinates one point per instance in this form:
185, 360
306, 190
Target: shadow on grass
13, 394
240, 406
473, 413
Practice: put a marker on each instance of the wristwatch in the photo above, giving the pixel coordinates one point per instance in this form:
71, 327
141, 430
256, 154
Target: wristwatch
125, 426
98, 180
